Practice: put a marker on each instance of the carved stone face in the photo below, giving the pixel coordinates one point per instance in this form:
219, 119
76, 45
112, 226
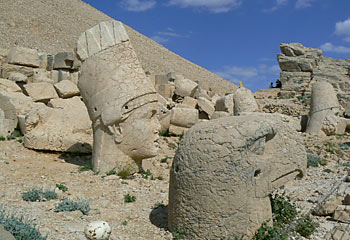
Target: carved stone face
224, 170
120, 99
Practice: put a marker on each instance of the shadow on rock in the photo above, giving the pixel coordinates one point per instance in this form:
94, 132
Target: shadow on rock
159, 216
77, 156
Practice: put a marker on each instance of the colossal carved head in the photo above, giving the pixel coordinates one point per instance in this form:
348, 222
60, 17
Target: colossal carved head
120, 99
224, 171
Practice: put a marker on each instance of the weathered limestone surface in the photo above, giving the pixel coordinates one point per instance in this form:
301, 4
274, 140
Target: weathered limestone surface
70, 103
67, 89
23, 56
184, 117
9, 86
8, 117
224, 170
121, 100
206, 106
244, 101
225, 104
66, 60
8, 69
22, 103
6, 235
17, 77
324, 109
41, 91
66, 130
301, 66
185, 87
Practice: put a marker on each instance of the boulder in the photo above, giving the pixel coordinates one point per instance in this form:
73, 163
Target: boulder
8, 117
342, 213
244, 101
199, 92
41, 91
296, 64
328, 207
225, 104
66, 89
17, 77
206, 106
41, 75
23, 56
166, 90
223, 172
184, 117
297, 49
177, 130
22, 103
64, 130
220, 114
9, 86
70, 103
8, 69
66, 60
185, 87
295, 81
189, 102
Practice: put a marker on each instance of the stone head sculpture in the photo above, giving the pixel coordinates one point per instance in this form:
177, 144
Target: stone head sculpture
120, 99
324, 110
224, 170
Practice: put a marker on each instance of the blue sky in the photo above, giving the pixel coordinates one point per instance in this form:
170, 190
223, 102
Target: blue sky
237, 39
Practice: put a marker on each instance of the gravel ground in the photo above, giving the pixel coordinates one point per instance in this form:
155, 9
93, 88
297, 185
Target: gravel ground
22, 169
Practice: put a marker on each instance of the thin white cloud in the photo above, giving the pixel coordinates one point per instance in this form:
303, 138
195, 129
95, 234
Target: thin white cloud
278, 4
138, 5
343, 28
215, 6
347, 39
160, 39
250, 75
303, 4
329, 47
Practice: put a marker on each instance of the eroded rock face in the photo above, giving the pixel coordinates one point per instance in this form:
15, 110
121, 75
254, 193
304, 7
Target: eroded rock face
224, 170
121, 100
324, 109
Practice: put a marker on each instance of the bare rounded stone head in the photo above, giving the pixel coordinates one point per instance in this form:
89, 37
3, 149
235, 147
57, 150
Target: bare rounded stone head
224, 170
120, 99
324, 110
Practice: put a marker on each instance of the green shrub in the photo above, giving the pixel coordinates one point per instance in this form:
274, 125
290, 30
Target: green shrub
265, 232
327, 170
68, 205
283, 210
20, 226
87, 167
164, 160
306, 227
124, 173
129, 198
158, 205
313, 160
179, 234
15, 134
111, 172
62, 187
2, 138
125, 223
38, 195
164, 133
146, 174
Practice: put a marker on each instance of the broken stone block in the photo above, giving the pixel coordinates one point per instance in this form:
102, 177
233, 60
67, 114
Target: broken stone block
343, 125
43, 60
295, 81
328, 207
74, 77
69, 103
164, 120
189, 102
206, 106
185, 87
7, 69
342, 213
199, 92
166, 90
66, 89
41, 75
225, 104
244, 101
220, 114
17, 77
66, 60
177, 130
66, 130
161, 79
338, 233
23, 104
184, 117
41, 92
23, 56
9, 86
8, 117
347, 110
296, 64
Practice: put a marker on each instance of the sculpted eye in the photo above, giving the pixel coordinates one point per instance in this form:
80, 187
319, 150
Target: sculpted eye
257, 173
126, 107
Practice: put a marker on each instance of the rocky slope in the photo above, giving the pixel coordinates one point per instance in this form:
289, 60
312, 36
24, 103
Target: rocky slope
55, 25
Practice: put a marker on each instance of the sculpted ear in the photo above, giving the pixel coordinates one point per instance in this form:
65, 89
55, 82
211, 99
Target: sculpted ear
110, 115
